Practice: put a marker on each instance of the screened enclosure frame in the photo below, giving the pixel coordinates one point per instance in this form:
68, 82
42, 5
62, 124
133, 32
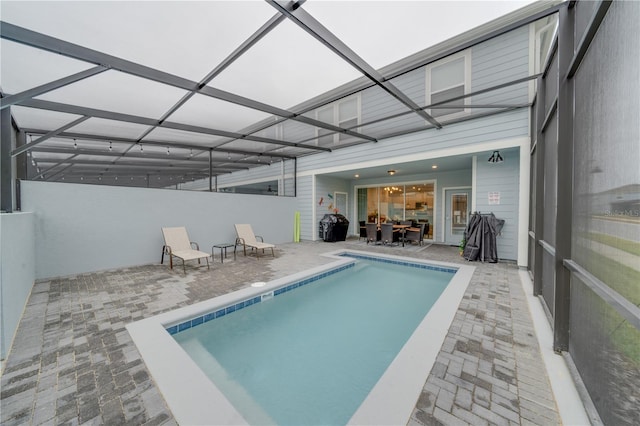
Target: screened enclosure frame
137, 159
558, 274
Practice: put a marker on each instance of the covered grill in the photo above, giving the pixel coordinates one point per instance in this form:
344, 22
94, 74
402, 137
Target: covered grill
333, 227
480, 236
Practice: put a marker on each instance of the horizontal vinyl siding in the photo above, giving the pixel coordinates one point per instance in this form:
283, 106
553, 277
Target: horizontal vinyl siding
503, 178
509, 51
326, 185
413, 84
376, 103
498, 127
500, 60
304, 205
294, 131
503, 126
255, 174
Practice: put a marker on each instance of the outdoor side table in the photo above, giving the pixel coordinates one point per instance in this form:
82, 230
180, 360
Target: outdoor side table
223, 246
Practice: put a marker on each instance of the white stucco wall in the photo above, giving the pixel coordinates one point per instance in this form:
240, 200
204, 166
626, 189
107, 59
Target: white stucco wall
17, 272
84, 228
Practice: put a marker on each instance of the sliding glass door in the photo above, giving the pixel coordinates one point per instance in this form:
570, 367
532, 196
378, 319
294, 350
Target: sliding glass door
392, 203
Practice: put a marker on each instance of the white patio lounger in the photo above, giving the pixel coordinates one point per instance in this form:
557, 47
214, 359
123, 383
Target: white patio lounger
246, 237
176, 243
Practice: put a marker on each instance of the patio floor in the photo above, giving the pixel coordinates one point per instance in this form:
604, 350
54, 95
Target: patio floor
73, 361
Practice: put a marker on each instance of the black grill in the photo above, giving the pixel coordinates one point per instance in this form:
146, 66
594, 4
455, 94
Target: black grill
333, 227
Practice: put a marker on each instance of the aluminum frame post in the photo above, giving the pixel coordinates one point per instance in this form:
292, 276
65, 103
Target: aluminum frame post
6, 161
539, 195
564, 193
210, 170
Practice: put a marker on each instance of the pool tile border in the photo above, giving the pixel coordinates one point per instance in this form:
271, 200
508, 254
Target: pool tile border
400, 262
210, 316
201, 319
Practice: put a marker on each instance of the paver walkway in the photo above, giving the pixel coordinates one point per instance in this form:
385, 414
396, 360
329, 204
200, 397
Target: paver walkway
73, 362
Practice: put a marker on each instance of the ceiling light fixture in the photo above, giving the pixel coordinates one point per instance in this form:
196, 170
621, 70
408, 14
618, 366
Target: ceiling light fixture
391, 172
356, 176
495, 157
435, 166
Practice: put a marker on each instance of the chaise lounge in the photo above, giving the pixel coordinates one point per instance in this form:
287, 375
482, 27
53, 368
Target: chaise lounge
247, 238
177, 244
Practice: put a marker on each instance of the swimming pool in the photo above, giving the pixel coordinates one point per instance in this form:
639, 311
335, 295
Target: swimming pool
203, 402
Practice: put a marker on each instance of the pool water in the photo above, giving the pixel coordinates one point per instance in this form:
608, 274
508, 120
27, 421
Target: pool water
312, 355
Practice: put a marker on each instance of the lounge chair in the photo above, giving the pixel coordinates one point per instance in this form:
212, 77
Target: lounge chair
177, 243
247, 238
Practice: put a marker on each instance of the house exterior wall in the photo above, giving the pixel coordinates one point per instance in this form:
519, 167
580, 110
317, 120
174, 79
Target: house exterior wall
503, 58
498, 180
306, 205
326, 186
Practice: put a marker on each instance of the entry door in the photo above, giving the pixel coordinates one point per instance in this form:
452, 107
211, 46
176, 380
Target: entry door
340, 202
457, 205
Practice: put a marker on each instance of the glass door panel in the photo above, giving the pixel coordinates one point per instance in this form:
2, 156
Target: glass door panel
392, 203
419, 206
458, 213
398, 202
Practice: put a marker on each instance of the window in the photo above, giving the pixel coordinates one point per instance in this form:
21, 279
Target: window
446, 79
544, 39
348, 116
344, 113
324, 135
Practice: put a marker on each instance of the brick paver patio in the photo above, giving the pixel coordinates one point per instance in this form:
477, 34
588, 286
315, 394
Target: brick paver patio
73, 362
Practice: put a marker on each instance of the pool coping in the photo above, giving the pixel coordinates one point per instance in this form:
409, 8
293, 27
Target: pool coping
392, 399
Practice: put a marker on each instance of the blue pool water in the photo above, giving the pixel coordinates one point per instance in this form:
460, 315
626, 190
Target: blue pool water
312, 355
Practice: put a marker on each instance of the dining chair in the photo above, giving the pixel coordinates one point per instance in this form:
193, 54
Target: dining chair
389, 235
373, 234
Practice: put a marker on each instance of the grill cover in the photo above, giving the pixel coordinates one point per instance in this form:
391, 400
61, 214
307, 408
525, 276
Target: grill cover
333, 227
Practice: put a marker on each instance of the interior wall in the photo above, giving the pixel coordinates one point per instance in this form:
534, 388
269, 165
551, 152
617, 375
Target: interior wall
17, 272
86, 228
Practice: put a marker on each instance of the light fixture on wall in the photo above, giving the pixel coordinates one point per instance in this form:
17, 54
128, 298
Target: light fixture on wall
391, 172
495, 157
